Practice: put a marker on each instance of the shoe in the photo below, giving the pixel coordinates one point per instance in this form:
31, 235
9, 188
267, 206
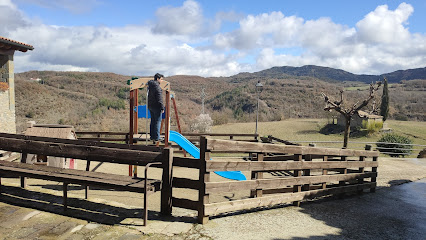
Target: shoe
158, 140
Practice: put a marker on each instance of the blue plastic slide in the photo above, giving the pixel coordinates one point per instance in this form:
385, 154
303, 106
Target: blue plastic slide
190, 148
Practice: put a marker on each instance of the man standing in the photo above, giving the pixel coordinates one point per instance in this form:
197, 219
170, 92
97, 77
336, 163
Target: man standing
155, 106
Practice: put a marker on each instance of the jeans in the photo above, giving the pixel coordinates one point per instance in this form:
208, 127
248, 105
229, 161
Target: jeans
154, 127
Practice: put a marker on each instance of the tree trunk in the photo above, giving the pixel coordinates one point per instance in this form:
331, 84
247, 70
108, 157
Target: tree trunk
347, 131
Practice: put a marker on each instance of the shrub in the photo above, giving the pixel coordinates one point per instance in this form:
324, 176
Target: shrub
401, 117
117, 104
202, 124
392, 144
372, 127
123, 93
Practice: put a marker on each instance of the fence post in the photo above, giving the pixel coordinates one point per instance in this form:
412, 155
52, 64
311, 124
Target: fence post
324, 172
345, 171
204, 177
257, 175
361, 169
307, 172
23, 179
166, 188
297, 173
373, 169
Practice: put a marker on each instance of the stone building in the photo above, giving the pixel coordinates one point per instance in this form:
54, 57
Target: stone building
358, 118
7, 82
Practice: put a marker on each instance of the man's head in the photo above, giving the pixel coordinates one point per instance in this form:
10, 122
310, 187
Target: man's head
158, 77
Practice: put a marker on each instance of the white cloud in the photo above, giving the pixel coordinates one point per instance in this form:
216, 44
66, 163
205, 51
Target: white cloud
10, 17
385, 26
184, 20
380, 42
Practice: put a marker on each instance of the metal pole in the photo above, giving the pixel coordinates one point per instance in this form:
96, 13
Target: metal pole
257, 112
146, 122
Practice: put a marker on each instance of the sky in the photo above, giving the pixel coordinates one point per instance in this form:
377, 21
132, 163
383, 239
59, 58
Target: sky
217, 37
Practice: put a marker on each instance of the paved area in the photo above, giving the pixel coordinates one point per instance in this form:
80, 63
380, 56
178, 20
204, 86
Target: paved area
396, 211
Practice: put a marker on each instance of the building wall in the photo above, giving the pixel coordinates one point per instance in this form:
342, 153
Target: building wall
7, 98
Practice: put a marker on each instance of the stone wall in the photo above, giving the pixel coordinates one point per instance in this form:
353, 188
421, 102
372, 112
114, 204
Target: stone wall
7, 98
7, 115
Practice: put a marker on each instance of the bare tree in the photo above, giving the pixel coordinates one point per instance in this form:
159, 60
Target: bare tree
347, 113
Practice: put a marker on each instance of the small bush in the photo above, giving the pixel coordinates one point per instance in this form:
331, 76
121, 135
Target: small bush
202, 124
401, 117
114, 104
391, 144
372, 127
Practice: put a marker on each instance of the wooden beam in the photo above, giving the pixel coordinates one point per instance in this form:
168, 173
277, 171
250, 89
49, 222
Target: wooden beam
220, 165
91, 153
272, 183
297, 173
218, 144
139, 83
187, 162
271, 200
204, 177
81, 142
167, 177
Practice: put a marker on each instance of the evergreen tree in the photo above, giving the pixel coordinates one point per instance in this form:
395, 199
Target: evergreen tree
384, 107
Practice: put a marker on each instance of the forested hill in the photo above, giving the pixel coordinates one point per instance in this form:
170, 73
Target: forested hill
333, 75
99, 101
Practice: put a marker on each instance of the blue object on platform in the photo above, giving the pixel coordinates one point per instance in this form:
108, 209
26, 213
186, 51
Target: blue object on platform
190, 148
142, 112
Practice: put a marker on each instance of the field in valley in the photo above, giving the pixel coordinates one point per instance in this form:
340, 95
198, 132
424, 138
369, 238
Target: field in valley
308, 130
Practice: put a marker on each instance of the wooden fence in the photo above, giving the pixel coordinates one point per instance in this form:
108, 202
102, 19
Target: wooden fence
193, 137
278, 174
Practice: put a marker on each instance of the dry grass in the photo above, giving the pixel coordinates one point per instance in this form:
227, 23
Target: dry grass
308, 130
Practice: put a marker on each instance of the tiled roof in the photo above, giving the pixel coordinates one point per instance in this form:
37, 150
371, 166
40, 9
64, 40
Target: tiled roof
7, 44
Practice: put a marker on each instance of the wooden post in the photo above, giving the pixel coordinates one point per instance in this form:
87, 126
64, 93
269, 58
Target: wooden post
373, 179
131, 127
297, 173
345, 171
23, 179
167, 120
257, 175
135, 125
307, 172
204, 177
166, 188
65, 197
86, 193
324, 172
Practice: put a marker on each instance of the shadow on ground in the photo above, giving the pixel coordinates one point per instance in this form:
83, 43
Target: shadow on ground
80, 208
381, 215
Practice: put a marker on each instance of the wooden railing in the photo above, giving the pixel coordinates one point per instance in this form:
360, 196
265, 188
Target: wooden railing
193, 137
296, 173
95, 151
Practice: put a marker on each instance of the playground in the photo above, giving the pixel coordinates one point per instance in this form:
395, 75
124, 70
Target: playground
208, 178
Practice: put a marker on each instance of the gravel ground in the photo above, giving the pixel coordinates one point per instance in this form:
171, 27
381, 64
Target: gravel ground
396, 211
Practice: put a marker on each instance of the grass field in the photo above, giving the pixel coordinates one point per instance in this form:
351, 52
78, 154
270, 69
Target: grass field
308, 130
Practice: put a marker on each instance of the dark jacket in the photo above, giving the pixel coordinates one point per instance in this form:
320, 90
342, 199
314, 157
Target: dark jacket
155, 95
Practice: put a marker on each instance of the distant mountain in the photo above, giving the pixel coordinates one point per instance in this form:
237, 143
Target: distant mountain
332, 74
